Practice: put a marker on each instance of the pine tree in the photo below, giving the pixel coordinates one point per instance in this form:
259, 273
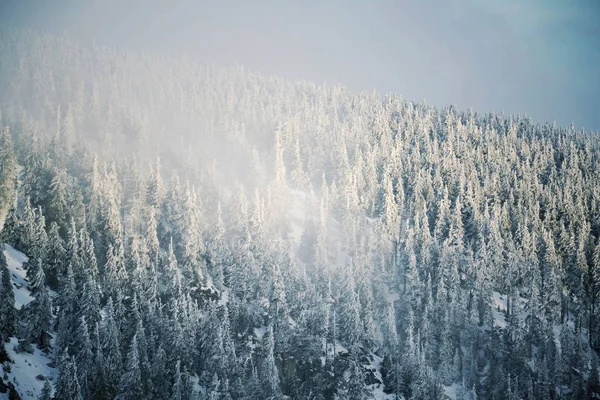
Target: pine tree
55, 256
130, 386
177, 389
111, 348
145, 367
57, 204
160, 383
10, 231
151, 237
84, 357
8, 314
67, 385
40, 237
155, 187
99, 385
115, 275
46, 393
8, 172
173, 282
37, 277
269, 369
67, 314
349, 310
356, 381
215, 387
89, 257
90, 301
40, 311
27, 229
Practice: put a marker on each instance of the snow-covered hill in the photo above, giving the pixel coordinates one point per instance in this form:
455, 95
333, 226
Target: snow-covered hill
27, 372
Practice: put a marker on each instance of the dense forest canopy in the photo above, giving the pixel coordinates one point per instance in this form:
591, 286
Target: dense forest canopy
201, 232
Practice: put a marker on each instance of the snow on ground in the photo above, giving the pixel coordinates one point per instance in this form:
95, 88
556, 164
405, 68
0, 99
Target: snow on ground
15, 260
260, 332
377, 389
197, 388
26, 367
340, 349
499, 310
224, 299
451, 390
388, 295
378, 394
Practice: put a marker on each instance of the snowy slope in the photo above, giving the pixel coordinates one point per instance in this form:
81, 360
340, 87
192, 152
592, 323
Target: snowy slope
15, 261
26, 368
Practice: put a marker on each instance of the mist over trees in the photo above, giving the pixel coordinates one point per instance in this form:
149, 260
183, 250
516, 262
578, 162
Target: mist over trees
212, 233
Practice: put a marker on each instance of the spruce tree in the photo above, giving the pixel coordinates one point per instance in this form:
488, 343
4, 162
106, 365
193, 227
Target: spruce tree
46, 393
111, 348
40, 312
55, 256
130, 386
159, 379
11, 230
67, 384
270, 373
84, 357
8, 313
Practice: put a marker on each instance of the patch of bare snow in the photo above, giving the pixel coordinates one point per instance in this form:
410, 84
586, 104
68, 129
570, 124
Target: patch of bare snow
26, 369
15, 260
499, 309
451, 390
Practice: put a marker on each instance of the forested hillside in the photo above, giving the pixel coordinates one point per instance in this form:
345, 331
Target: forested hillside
199, 232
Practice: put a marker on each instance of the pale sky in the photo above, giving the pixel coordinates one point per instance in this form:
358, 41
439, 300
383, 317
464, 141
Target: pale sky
534, 57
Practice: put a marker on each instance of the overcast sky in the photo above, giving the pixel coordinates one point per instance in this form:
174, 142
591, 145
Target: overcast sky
535, 57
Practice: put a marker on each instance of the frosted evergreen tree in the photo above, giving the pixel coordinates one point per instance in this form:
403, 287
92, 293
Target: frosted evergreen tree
158, 376
37, 277
115, 275
111, 347
177, 389
99, 385
356, 381
145, 367
349, 310
27, 228
173, 283
55, 256
151, 237
89, 259
67, 385
10, 231
46, 393
390, 333
130, 386
40, 245
67, 314
84, 357
90, 301
40, 312
73, 253
8, 314
57, 205
8, 172
270, 373
155, 187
